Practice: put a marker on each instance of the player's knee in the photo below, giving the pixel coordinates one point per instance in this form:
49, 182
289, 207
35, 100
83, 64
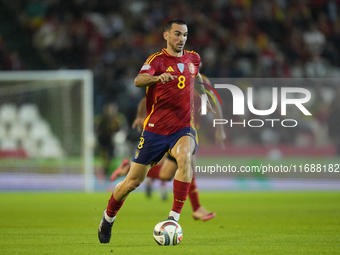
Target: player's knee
169, 178
183, 162
166, 177
132, 184
168, 174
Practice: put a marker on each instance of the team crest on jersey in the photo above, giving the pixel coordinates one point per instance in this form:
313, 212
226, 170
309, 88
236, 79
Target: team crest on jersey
180, 67
191, 68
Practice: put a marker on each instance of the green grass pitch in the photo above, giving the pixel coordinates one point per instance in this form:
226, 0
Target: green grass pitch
246, 223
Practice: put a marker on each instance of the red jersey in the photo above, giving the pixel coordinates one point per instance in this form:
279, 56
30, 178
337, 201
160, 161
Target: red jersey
170, 106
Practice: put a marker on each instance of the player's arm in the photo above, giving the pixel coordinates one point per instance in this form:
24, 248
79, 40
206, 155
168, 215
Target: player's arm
220, 134
201, 91
199, 84
145, 80
141, 114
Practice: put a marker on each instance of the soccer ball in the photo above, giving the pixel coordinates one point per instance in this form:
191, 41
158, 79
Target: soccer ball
168, 232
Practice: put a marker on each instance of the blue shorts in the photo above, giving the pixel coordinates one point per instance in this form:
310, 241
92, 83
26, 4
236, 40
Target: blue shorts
152, 147
169, 157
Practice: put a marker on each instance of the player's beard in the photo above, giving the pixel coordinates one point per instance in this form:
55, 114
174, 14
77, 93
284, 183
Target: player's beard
175, 49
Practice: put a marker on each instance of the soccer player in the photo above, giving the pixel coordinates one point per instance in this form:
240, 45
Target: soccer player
166, 169
169, 76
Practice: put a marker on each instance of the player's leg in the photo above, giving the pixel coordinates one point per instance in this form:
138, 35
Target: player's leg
198, 211
111, 155
166, 173
168, 170
182, 151
107, 157
163, 191
104, 158
148, 187
121, 170
133, 179
165, 170
149, 151
124, 168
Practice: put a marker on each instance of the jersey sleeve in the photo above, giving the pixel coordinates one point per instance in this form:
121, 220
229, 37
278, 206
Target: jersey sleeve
197, 61
150, 65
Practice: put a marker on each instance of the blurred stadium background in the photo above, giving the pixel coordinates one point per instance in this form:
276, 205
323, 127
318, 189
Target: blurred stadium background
47, 125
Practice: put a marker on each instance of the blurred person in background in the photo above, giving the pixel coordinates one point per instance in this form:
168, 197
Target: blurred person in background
106, 126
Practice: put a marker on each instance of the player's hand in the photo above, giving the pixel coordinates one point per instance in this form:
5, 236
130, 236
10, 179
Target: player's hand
165, 77
138, 124
220, 136
209, 108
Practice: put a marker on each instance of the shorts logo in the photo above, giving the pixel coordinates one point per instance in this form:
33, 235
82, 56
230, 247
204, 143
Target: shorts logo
146, 67
180, 67
136, 154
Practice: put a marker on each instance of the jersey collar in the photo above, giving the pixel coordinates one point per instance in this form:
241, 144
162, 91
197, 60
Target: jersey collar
166, 53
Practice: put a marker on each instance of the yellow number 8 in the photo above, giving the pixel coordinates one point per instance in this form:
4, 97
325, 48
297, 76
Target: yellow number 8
181, 82
141, 143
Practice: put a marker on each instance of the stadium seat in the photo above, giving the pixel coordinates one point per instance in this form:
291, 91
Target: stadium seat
8, 113
28, 113
39, 130
23, 129
3, 131
30, 146
17, 130
50, 148
8, 144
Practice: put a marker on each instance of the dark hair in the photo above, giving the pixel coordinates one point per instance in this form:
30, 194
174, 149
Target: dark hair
168, 25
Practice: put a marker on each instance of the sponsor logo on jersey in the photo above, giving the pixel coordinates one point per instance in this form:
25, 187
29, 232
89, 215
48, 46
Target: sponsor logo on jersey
170, 69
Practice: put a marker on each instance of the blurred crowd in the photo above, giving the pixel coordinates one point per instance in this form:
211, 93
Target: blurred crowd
9, 58
235, 38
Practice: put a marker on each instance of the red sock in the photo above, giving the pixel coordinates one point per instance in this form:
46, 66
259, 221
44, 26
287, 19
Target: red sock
193, 195
181, 190
113, 206
154, 171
